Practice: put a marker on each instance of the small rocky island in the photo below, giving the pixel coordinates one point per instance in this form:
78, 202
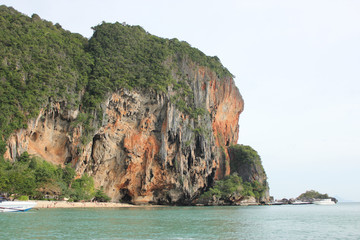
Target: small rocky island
308, 197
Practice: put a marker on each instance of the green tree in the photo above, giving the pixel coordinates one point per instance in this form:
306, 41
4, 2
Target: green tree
83, 188
24, 157
100, 196
243, 155
68, 175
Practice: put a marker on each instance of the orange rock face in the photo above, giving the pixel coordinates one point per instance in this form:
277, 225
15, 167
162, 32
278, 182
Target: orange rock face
225, 124
46, 136
145, 150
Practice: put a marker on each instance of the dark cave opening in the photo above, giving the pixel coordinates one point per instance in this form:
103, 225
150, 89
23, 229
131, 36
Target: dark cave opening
126, 198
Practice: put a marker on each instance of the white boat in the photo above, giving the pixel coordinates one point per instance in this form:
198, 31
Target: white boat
327, 201
16, 206
300, 203
276, 203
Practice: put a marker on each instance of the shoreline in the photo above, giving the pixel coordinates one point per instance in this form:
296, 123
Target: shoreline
65, 204
41, 204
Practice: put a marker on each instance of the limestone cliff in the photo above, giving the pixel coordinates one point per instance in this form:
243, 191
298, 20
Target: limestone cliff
150, 119
146, 150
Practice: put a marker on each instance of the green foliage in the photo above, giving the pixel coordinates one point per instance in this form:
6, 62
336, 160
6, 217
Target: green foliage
243, 157
312, 194
68, 175
183, 50
24, 157
100, 196
247, 190
127, 56
83, 189
232, 186
38, 62
199, 130
4, 180
224, 189
2, 147
246, 162
23, 198
38, 179
183, 105
258, 189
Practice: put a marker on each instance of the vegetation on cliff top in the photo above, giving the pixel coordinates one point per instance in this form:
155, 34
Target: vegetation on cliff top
42, 63
39, 62
312, 194
243, 157
129, 57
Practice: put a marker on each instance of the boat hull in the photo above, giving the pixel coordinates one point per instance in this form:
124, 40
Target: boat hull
301, 203
16, 206
324, 202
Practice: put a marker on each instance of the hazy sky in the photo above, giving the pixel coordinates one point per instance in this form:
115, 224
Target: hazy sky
297, 65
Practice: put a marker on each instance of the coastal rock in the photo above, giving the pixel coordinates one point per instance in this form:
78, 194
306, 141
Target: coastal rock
232, 200
145, 150
246, 201
246, 163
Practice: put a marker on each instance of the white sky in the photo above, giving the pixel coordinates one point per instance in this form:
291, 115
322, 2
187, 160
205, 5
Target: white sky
297, 65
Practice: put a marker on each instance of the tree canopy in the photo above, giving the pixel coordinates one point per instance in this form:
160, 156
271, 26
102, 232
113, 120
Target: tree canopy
243, 156
38, 179
312, 194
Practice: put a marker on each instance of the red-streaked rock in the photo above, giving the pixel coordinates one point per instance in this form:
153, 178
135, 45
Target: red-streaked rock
145, 150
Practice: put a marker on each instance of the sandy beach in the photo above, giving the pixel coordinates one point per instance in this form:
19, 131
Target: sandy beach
65, 204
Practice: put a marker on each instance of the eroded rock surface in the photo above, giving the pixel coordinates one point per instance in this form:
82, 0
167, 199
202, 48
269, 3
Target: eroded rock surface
145, 150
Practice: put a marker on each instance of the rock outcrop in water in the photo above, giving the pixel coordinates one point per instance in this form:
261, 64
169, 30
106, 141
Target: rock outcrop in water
246, 163
149, 119
247, 184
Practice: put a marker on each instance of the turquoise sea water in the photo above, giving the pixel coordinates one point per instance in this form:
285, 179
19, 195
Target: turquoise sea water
340, 221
